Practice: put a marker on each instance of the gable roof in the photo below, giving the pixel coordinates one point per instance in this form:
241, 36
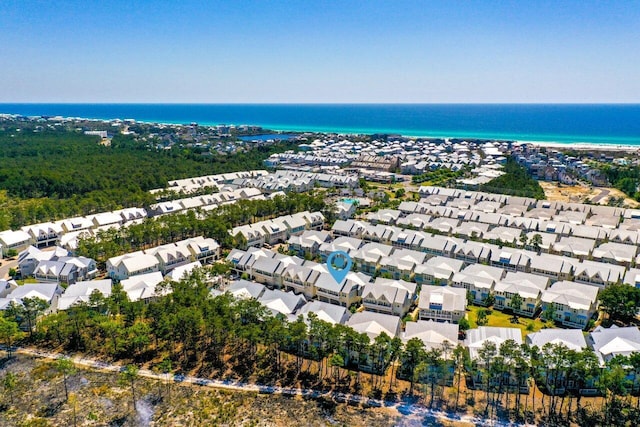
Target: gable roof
45, 291
373, 324
571, 338
281, 302
476, 337
610, 342
143, 286
446, 297
432, 334
81, 292
571, 294
246, 289
331, 313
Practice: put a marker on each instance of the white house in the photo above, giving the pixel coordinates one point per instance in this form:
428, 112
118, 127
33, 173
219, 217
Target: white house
17, 241
144, 286
80, 292
528, 286
479, 280
374, 324
442, 303
572, 304
132, 264
433, 334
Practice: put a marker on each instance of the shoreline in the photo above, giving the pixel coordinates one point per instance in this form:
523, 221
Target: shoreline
576, 144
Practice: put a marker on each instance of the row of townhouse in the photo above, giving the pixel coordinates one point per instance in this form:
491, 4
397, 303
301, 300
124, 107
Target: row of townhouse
51, 233
278, 230
493, 278
305, 277
510, 229
293, 306
205, 202
385, 295
188, 185
571, 213
299, 181
289, 304
163, 258
605, 343
570, 304
563, 218
468, 251
370, 322
144, 287
66, 232
447, 195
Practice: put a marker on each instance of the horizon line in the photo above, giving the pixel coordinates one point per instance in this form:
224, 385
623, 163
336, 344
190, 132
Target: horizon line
314, 103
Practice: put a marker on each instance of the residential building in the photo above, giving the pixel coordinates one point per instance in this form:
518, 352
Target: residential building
528, 286
330, 313
442, 303
433, 334
16, 241
374, 324
346, 293
144, 287
479, 280
476, 339
132, 264
572, 304
81, 292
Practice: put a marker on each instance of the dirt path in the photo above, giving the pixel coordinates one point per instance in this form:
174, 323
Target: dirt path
414, 413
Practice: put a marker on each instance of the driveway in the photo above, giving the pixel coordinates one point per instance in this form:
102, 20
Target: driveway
603, 193
6, 266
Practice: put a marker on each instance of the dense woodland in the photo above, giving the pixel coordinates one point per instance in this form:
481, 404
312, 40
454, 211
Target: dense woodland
515, 182
624, 178
52, 175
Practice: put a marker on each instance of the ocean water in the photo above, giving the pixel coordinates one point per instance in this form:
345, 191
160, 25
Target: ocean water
617, 124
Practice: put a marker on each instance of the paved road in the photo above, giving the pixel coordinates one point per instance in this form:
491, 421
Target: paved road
415, 411
603, 193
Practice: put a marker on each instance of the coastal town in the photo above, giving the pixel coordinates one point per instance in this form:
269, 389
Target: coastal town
328, 214
438, 264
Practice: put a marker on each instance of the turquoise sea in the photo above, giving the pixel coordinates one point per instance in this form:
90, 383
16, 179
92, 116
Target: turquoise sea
617, 124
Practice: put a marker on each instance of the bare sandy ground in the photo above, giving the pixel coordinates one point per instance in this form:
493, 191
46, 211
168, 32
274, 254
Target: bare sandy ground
580, 193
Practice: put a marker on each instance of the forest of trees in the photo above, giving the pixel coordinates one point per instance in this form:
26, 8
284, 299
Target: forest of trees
515, 182
220, 337
53, 175
624, 178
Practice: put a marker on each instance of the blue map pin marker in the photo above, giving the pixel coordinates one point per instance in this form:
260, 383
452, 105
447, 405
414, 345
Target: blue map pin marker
339, 265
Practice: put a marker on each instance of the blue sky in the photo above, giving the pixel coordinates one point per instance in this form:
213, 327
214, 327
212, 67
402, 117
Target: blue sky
319, 51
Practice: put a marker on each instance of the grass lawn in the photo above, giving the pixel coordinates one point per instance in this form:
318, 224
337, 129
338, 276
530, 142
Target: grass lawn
500, 319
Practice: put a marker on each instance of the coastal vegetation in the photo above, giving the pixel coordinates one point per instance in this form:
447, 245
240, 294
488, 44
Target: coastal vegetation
438, 177
51, 175
34, 396
514, 182
624, 178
